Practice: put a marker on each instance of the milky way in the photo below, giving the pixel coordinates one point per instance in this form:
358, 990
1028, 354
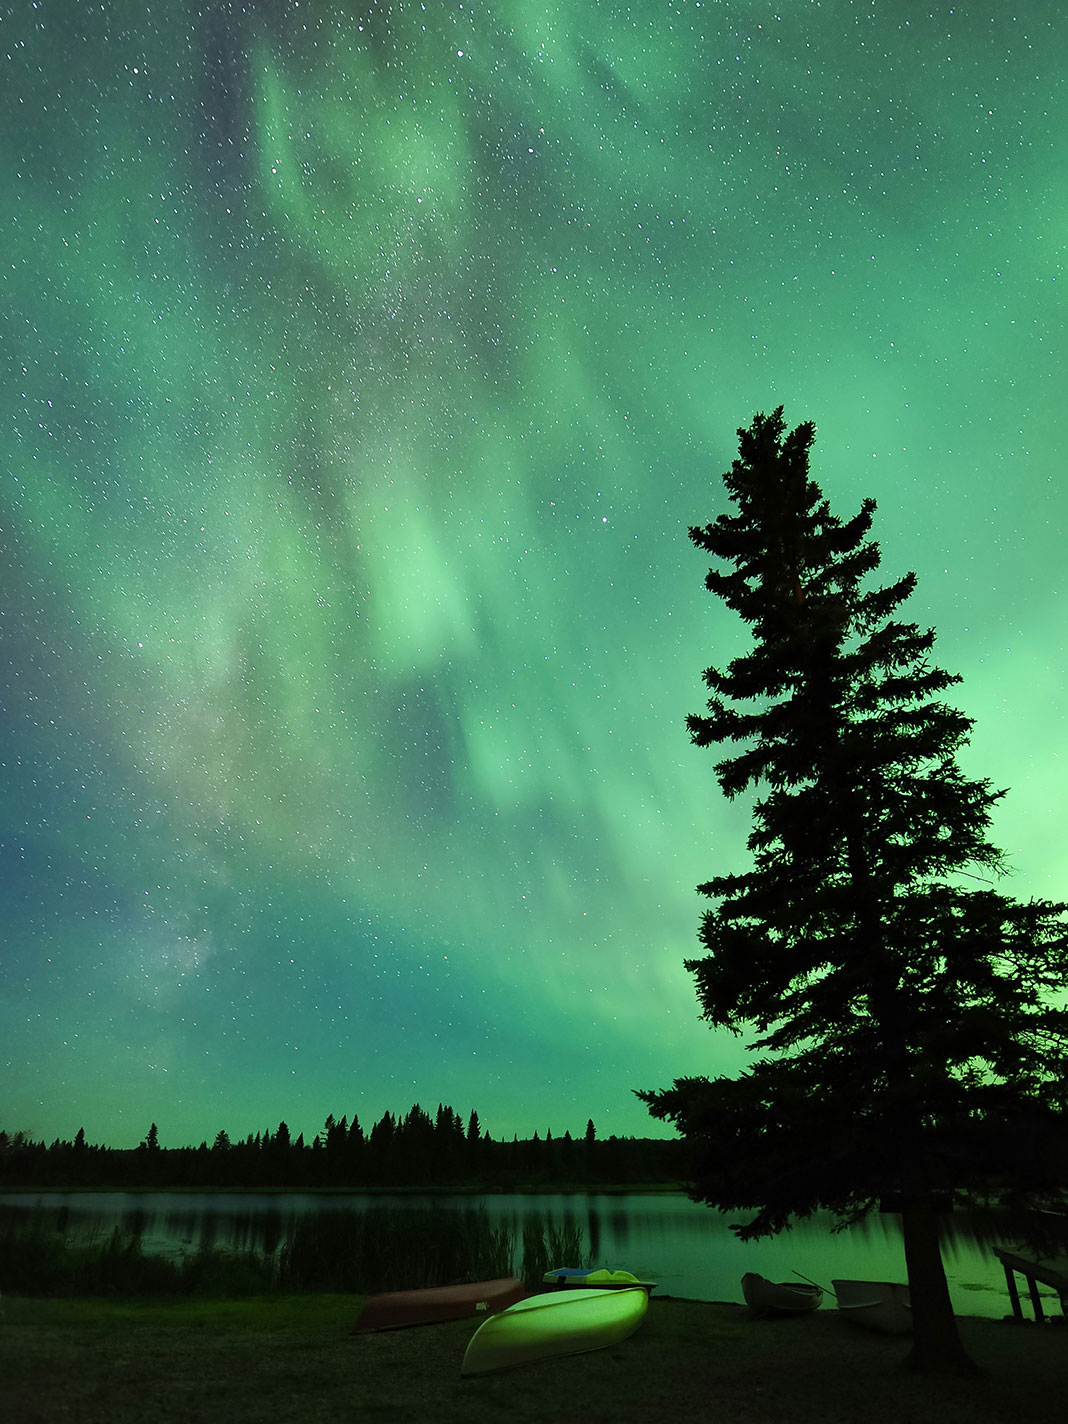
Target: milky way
363, 373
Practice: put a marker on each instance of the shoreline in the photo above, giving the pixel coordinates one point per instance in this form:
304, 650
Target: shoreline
179, 1309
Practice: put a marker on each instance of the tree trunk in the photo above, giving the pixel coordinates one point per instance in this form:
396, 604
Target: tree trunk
936, 1343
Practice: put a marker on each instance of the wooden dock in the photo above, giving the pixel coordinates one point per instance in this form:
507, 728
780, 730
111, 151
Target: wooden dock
1050, 1270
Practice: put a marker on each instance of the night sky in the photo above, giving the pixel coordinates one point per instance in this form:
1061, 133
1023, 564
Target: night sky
363, 372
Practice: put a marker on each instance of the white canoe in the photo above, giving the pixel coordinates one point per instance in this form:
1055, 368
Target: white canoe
563, 1322
877, 1305
765, 1297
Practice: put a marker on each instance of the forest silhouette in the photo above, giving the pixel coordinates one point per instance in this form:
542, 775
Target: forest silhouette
414, 1151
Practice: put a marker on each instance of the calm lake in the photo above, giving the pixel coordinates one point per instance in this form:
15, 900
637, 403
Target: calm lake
688, 1249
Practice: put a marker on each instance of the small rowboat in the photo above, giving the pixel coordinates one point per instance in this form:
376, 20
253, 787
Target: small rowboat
557, 1323
877, 1305
764, 1297
574, 1277
392, 1310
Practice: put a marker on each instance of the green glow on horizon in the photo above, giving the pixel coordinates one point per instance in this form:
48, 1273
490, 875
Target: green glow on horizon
365, 392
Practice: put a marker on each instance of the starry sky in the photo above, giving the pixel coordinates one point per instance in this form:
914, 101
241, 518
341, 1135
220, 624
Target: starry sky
364, 368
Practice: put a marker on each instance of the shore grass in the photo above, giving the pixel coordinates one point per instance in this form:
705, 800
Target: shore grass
296, 1358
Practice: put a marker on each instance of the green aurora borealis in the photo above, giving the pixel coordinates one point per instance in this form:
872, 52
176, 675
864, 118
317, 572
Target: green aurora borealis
363, 371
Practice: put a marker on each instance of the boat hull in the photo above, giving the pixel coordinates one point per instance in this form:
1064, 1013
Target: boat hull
765, 1297
394, 1310
555, 1323
875, 1305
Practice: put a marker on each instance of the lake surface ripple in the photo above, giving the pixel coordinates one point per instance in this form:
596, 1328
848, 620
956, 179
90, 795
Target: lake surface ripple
690, 1250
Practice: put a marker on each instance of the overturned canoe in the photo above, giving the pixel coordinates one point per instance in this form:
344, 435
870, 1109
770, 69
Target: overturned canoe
393, 1310
877, 1305
765, 1297
575, 1277
562, 1322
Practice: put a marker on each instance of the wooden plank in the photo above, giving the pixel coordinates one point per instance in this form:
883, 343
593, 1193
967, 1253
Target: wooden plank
1051, 1271
1014, 1295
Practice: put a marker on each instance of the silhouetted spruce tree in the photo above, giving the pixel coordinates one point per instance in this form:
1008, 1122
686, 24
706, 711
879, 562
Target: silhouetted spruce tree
279, 1162
907, 1039
382, 1147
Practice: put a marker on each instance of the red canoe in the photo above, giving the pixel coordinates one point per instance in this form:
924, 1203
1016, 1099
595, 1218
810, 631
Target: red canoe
394, 1309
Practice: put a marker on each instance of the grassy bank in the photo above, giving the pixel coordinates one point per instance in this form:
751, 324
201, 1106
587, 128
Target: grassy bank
295, 1358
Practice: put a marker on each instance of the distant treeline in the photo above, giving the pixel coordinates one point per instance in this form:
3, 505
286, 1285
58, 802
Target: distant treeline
416, 1150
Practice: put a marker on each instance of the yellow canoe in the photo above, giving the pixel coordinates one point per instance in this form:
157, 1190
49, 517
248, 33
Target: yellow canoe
574, 1278
564, 1322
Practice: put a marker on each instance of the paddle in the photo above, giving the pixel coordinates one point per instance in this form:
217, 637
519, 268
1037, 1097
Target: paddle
814, 1283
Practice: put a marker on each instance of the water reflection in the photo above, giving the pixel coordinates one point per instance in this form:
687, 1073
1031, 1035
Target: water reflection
689, 1249
593, 1231
272, 1232
133, 1221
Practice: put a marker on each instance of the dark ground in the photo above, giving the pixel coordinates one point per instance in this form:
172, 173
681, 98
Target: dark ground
297, 1359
